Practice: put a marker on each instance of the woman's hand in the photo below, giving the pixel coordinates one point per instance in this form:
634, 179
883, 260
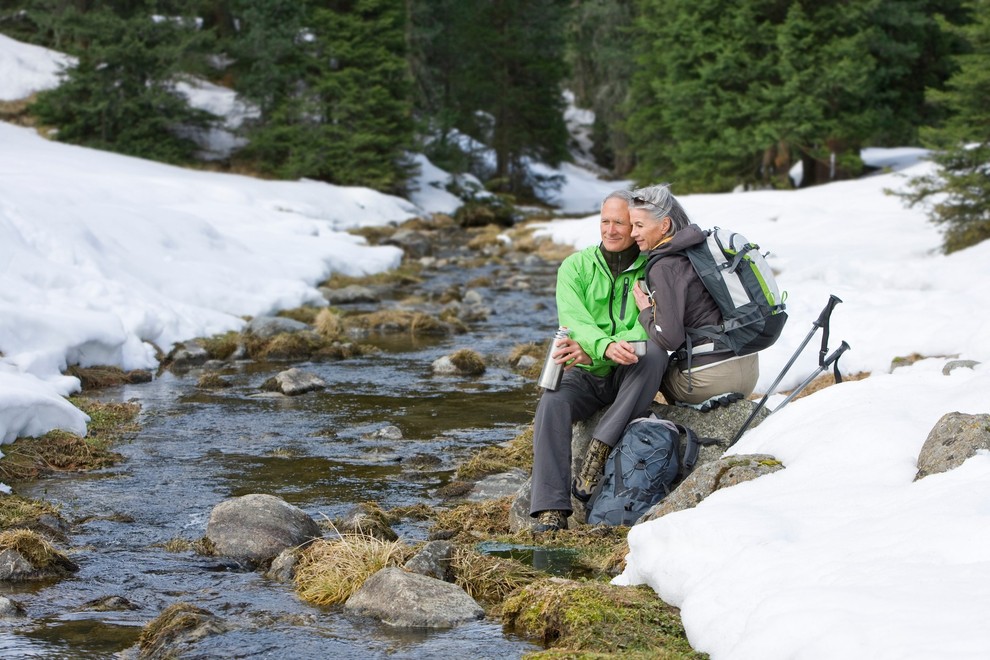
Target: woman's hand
569, 353
621, 352
643, 301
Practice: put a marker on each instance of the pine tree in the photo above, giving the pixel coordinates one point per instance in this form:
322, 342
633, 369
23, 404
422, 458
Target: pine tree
958, 193
121, 96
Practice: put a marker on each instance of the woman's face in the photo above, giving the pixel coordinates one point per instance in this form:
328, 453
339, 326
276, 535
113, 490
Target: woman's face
646, 230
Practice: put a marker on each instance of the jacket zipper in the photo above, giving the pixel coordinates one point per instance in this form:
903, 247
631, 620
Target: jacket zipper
625, 297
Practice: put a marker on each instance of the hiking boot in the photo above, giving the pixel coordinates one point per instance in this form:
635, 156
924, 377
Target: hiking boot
550, 521
591, 471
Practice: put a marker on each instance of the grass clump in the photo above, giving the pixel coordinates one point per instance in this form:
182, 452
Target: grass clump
489, 580
42, 555
476, 519
405, 274
100, 377
329, 571
221, 347
17, 511
286, 346
212, 381
585, 618
175, 621
516, 453
468, 362
329, 324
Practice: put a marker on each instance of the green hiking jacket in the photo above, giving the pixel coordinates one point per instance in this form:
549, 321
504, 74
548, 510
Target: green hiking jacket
596, 308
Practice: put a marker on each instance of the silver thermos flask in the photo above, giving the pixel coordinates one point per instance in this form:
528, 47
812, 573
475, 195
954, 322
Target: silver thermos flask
552, 372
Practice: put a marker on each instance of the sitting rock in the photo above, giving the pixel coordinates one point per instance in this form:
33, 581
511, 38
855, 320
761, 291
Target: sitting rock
409, 600
258, 527
433, 560
953, 439
266, 327
175, 630
706, 479
368, 519
720, 425
293, 382
496, 486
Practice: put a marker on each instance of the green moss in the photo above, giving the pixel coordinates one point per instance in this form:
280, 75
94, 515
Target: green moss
593, 617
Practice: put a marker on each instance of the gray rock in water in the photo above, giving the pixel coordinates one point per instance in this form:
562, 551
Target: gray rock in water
293, 382
258, 527
187, 355
433, 560
706, 479
267, 327
176, 630
15, 567
283, 568
409, 600
953, 439
387, 432
11, 609
499, 485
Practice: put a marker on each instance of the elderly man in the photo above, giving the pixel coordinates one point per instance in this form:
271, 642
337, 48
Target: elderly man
595, 302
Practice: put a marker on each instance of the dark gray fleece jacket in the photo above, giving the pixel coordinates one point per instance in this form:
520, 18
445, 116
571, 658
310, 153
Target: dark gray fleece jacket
679, 298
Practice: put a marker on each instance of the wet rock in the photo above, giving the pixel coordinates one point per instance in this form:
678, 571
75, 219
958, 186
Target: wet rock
409, 600
388, 432
266, 327
953, 439
293, 382
174, 633
706, 479
414, 243
11, 609
499, 485
952, 365
109, 604
350, 295
283, 568
464, 362
26, 555
367, 519
14, 566
433, 560
258, 527
187, 355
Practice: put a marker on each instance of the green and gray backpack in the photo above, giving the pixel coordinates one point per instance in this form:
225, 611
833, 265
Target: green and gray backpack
743, 286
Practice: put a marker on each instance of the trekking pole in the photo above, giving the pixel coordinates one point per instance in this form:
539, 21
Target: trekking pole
821, 321
822, 367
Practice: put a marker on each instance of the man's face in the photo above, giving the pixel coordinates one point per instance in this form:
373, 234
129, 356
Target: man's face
616, 228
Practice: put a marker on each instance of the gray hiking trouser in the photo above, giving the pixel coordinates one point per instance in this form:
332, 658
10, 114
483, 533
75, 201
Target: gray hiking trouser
628, 390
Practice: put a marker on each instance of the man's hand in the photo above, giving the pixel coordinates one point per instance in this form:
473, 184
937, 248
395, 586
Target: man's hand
621, 352
569, 353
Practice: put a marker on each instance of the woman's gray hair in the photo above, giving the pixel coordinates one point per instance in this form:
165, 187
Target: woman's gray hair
661, 203
624, 195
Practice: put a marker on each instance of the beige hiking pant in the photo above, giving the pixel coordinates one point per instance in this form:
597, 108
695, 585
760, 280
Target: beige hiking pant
737, 374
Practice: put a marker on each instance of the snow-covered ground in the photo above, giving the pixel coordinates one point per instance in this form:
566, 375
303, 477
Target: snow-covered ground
840, 555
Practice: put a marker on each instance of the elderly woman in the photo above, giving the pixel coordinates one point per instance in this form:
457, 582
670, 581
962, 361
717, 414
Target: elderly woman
679, 300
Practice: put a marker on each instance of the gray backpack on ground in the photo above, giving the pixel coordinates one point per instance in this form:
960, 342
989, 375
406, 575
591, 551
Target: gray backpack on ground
643, 468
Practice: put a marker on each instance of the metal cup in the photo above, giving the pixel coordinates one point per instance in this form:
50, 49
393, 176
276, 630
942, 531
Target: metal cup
639, 347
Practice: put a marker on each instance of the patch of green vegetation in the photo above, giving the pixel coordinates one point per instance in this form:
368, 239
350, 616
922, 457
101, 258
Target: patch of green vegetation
585, 618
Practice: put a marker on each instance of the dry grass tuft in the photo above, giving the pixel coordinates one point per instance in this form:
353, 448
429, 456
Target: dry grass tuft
329, 571
476, 519
100, 377
489, 580
468, 361
212, 381
305, 314
286, 346
16, 511
516, 453
174, 620
39, 552
329, 323
221, 347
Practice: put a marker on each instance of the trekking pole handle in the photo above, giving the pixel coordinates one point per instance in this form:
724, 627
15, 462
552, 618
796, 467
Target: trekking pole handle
834, 355
833, 300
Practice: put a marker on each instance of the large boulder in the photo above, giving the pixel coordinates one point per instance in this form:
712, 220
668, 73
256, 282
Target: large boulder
258, 527
410, 600
706, 479
953, 439
716, 427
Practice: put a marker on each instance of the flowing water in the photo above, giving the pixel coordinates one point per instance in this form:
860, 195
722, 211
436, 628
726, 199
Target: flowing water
317, 451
